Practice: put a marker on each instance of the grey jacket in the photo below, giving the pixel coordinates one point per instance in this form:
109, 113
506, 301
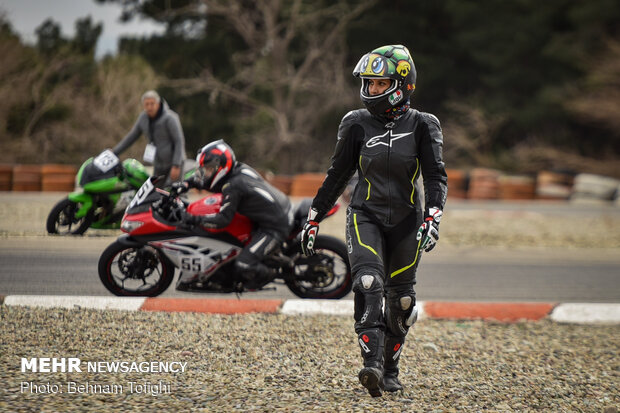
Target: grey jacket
165, 132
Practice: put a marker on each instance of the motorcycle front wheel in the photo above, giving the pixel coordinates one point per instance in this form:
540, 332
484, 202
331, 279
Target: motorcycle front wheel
139, 271
324, 275
62, 221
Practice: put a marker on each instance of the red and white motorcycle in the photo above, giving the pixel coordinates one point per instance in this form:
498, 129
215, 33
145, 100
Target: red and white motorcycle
142, 261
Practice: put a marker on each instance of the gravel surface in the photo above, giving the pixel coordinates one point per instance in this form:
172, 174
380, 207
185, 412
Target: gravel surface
281, 363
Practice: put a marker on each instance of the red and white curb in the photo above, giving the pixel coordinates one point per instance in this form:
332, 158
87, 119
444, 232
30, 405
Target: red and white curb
195, 305
582, 313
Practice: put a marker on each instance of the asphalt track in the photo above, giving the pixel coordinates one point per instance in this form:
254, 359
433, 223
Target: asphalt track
34, 263
45, 265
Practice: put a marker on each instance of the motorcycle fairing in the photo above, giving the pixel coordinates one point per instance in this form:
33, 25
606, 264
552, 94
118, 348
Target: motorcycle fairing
197, 254
240, 227
86, 200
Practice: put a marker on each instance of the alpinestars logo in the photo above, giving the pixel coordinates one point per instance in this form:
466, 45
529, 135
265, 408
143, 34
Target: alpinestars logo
387, 139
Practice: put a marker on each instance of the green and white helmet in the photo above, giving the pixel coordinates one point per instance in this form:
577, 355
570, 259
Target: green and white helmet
386, 62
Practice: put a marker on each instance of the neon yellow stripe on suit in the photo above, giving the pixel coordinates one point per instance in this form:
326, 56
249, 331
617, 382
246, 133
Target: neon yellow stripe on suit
367, 196
417, 161
417, 253
359, 240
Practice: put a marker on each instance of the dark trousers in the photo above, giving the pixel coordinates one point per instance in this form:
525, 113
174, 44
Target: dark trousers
384, 263
249, 261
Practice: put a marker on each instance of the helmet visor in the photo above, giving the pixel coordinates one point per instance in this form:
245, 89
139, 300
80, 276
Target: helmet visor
206, 172
374, 65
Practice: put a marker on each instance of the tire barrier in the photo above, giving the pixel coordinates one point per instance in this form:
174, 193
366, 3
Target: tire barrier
554, 185
58, 178
306, 184
6, 177
483, 184
29, 178
594, 187
457, 183
282, 182
26, 178
474, 184
517, 187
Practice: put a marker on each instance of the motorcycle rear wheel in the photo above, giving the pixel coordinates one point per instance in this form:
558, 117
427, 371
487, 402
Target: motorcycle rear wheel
62, 221
135, 271
326, 274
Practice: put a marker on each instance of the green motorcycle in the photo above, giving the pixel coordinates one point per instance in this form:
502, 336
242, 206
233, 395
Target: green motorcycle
107, 187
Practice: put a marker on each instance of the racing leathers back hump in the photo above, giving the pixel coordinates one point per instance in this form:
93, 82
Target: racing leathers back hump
246, 192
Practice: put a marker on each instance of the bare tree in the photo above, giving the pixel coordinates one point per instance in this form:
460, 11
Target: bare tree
305, 84
470, 132
95, 115
598, 100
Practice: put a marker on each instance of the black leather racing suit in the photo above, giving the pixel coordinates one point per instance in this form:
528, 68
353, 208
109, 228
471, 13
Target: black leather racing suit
383, 217
246, 192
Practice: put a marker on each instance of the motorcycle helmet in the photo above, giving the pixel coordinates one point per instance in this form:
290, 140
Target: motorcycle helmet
215, 161
392, 62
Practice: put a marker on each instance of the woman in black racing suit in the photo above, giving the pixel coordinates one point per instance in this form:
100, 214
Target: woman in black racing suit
389, 144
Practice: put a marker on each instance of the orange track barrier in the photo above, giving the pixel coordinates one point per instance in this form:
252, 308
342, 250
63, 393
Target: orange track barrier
488, 311
213, 305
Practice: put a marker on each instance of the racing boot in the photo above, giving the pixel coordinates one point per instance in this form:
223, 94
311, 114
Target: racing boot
186, 280
392, 350
256, 276
390, 380
371, 376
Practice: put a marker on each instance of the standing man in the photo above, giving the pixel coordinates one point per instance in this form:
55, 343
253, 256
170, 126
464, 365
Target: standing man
166, 144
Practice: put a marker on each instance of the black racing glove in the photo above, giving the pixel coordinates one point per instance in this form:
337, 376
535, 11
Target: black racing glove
179, 188
428, 233
309, 233
190, 220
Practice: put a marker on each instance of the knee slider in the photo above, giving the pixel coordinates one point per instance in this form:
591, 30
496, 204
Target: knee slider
368, 289
408, 304
402, 313
368, 282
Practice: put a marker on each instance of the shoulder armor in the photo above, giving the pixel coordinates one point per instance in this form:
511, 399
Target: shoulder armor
347, 121
352, 117
429, 117
249, 172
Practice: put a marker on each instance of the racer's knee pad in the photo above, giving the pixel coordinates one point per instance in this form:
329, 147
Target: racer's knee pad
368, 290
401, 313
